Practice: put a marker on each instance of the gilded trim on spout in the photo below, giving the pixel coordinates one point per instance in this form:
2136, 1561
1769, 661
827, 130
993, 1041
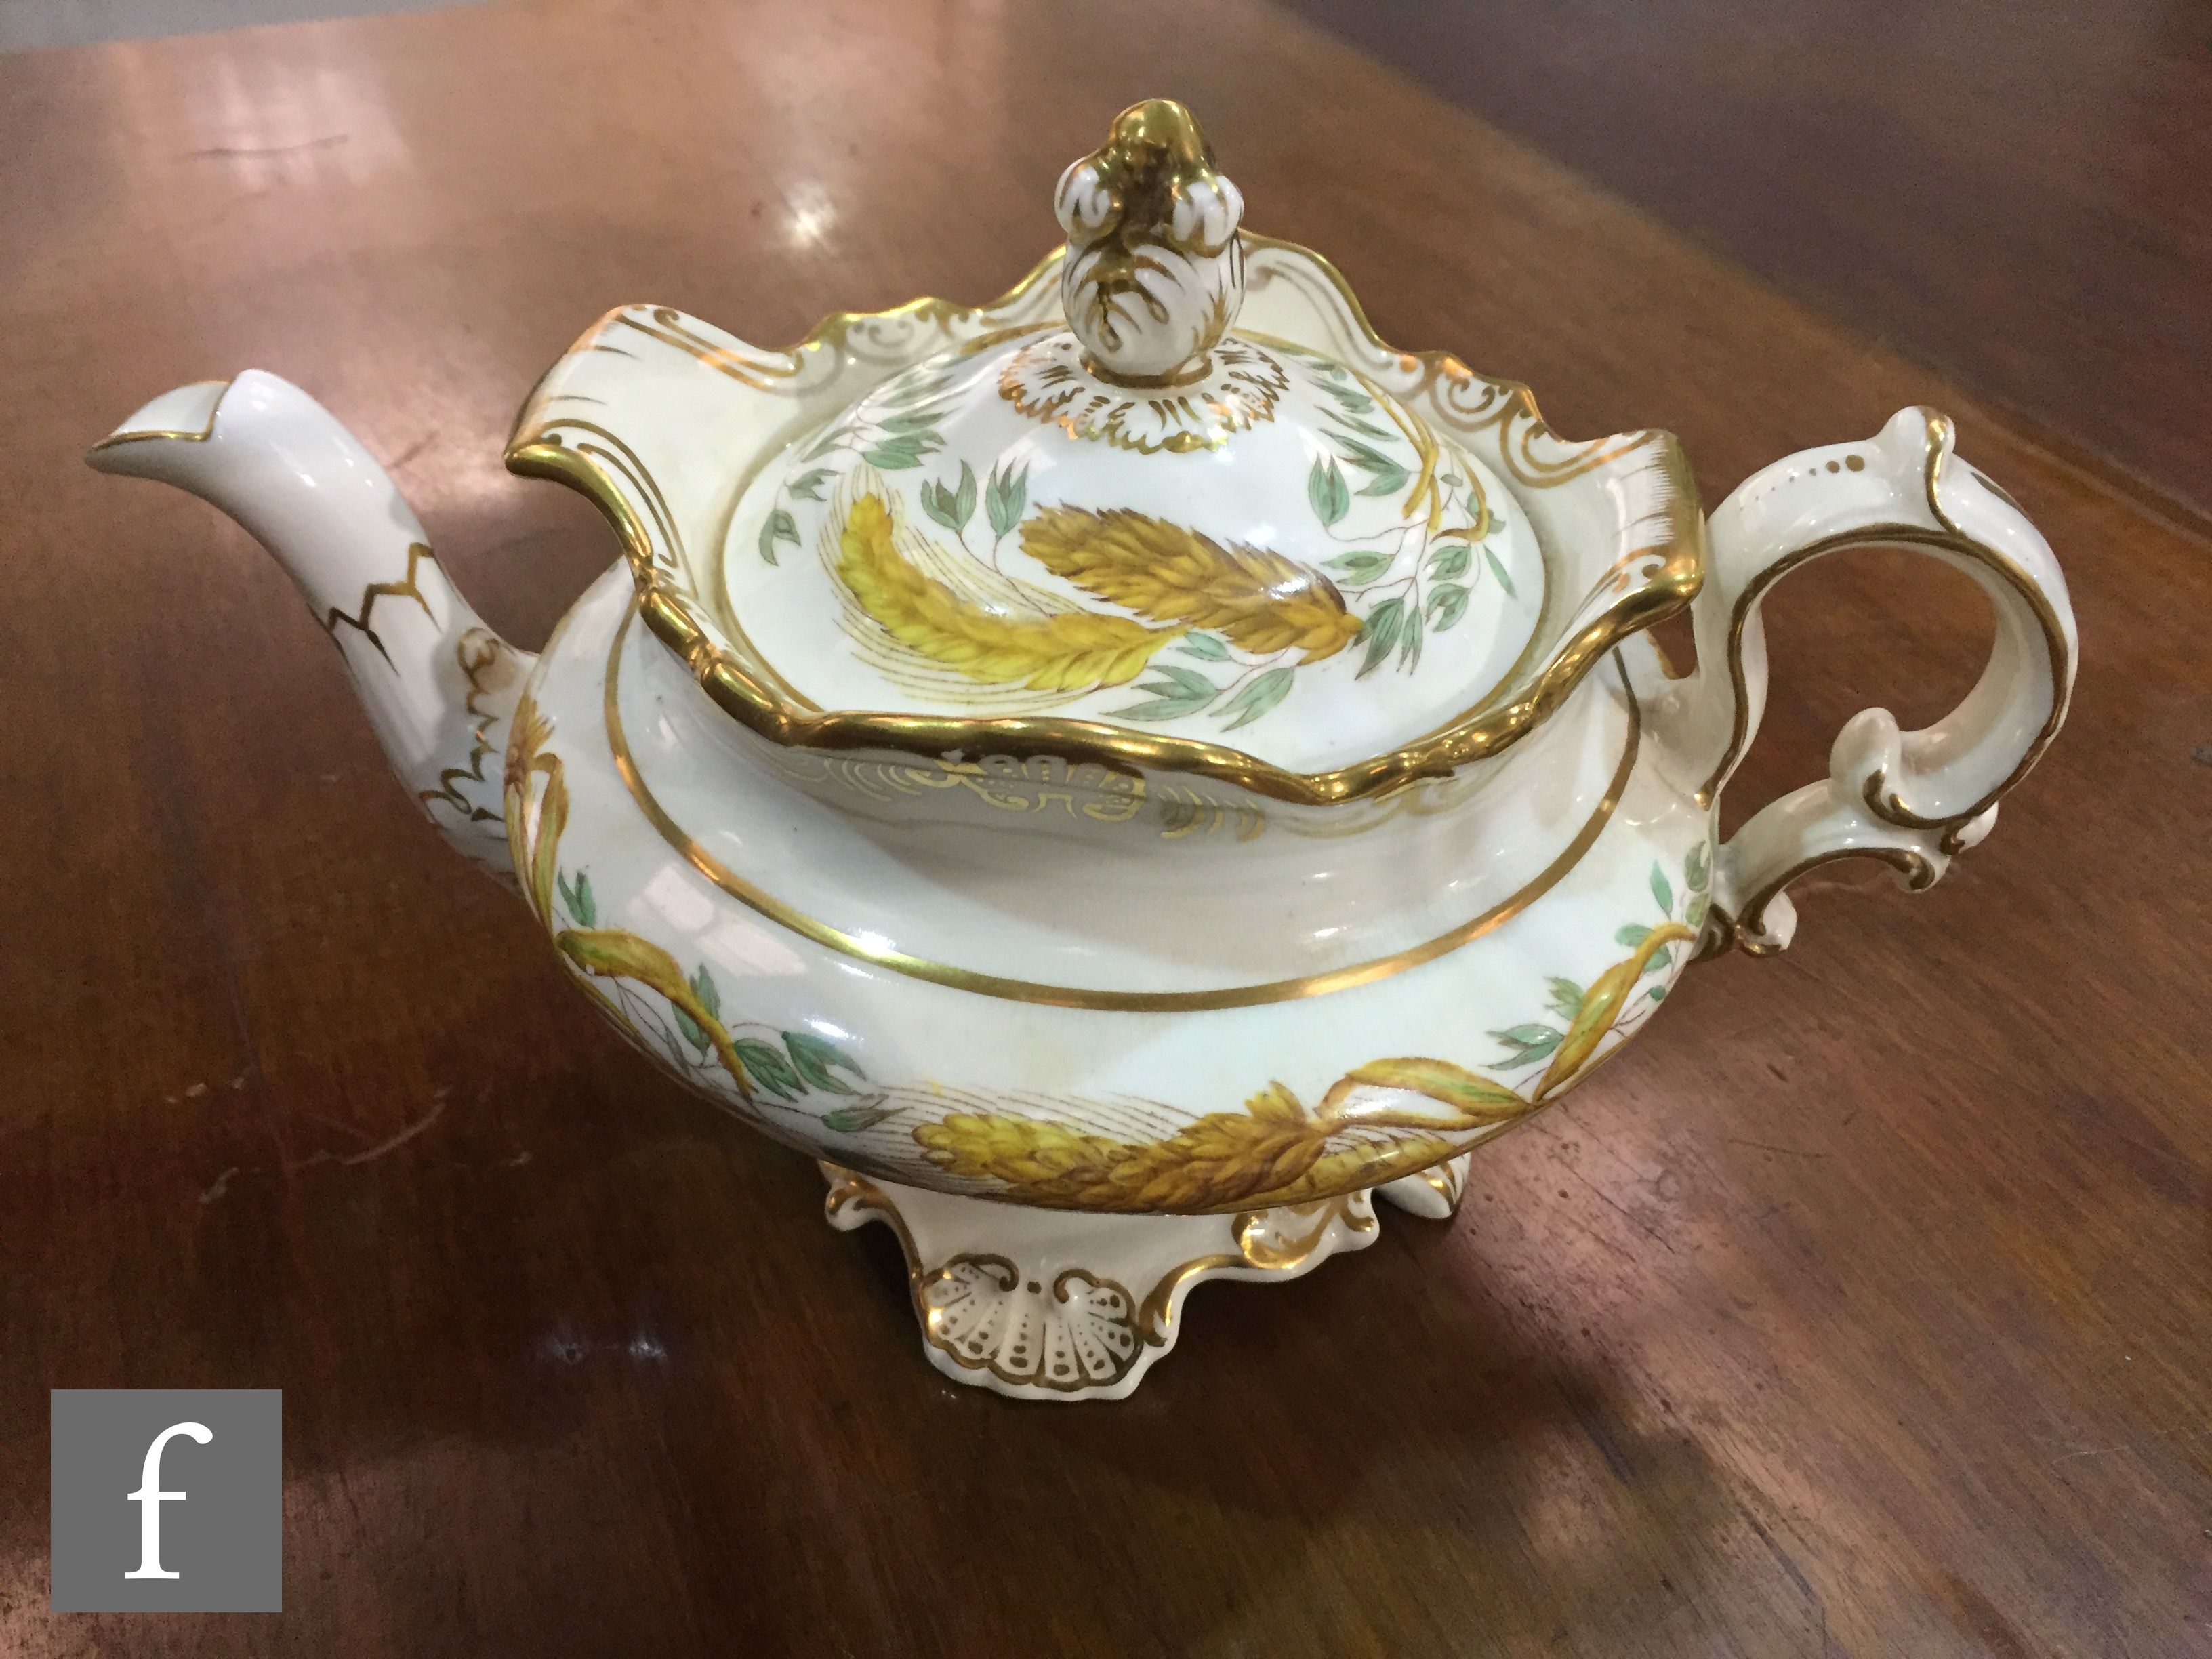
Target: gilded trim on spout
114, 440
404, 588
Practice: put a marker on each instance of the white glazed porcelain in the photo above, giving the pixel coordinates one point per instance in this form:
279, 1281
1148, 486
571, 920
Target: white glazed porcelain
996, 767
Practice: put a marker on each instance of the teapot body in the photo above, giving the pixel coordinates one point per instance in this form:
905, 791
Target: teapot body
1148, 995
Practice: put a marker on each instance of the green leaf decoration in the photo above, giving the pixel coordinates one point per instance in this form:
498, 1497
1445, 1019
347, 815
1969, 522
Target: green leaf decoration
829, 441
702, 986
1695, 871
577, 897
765, 1061
1358, 569
1663, 959
693, 1032
951, 507
1694, 913
1257, 698
1658, 993
1453, 481
1529, 1044
1661, 890
1379, 633
780, 527
1447, 604
1186, 682
814, 1058
896, 454
1208, 646
1328, 493
1498, 571
1566, 997
1632, 935
1177, 692
1409, 641
918, 420
1005, 498
862, 1113
1451, 563
1368, 459
1386, 477
1164, 707
808, 487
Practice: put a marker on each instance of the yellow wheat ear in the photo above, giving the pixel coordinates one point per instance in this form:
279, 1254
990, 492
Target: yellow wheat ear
1262, 601
1060, 651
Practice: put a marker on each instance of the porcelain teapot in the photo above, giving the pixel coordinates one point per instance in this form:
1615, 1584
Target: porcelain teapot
1125, 774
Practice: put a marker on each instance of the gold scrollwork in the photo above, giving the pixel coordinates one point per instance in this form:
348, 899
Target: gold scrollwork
1739, 931
1120, 1326
478, 652
1036, 785
1186, 811
1237, 388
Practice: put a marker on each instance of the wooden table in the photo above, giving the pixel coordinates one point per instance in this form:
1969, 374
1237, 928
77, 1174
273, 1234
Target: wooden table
2018, 191
1864, 1307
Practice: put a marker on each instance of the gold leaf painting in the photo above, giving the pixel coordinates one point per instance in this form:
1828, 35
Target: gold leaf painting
1174, 580
1055, 651
1274, 1151
1260, 600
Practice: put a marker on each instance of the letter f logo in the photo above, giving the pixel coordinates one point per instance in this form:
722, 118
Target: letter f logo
150, 1496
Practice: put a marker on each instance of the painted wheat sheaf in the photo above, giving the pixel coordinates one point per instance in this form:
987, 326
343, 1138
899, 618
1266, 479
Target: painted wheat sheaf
1274, 1151
1174, 579
1259, 601
1053, 651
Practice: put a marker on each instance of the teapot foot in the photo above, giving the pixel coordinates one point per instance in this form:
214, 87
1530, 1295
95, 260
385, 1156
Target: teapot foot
1433, 1194
1058, 1304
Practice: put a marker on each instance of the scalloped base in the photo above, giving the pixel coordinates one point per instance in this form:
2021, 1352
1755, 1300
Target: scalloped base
1050, 1304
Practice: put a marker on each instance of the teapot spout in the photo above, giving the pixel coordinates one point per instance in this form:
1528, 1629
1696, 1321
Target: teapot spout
440, 687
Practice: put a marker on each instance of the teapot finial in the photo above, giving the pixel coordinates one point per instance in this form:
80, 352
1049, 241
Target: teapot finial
1155, 274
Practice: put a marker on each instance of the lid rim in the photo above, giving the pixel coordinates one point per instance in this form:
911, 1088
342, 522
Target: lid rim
1481, 731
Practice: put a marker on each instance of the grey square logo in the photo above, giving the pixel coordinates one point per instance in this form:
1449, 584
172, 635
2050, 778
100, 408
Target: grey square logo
168, 1500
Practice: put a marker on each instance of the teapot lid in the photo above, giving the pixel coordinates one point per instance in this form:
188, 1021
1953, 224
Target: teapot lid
1136, 514
1169, 503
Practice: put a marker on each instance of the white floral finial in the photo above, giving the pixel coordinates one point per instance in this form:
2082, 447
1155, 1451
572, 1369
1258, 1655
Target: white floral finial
1155, 273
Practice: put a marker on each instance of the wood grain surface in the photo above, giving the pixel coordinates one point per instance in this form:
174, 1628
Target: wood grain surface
1865, 1308
2015, 188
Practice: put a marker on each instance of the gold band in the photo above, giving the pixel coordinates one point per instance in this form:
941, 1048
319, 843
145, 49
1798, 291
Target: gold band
1067, 996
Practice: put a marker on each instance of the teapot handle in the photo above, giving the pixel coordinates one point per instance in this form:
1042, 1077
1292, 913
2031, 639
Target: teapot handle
1913, 799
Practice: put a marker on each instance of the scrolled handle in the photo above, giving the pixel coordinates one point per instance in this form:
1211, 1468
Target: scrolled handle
1913, 799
